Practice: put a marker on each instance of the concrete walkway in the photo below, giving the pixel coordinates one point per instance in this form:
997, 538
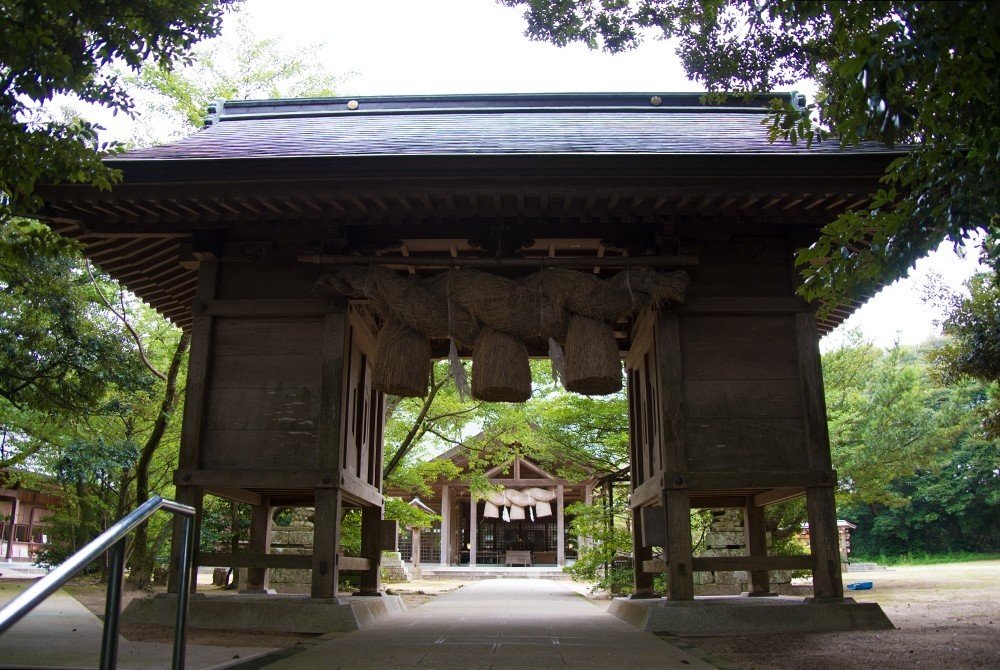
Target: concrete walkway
62, 633
503, 623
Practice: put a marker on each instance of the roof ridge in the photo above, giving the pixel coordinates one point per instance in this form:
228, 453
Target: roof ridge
488, 102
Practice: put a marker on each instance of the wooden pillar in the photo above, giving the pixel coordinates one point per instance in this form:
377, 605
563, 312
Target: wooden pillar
415, 547
755, 534
14, 503
192, 430
821, 505
675, 497
473, 529
642, 582
677, 553
193, 496
258, 579
560, 527
588, 500
824, 543
326, 543
445, 523
371, 548
329, 499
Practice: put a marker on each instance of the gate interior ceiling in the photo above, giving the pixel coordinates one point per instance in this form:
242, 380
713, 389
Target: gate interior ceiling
228, 232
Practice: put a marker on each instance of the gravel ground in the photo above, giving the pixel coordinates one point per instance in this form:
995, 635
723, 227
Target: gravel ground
947, 616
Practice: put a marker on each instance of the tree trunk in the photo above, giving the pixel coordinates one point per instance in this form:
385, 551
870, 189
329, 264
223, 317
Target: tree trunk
144, 557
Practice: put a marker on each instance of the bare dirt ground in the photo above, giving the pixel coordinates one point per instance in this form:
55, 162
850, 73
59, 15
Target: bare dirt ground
92, 597
947, 616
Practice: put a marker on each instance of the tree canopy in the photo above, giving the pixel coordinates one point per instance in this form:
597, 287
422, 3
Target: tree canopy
50, 48
921, 74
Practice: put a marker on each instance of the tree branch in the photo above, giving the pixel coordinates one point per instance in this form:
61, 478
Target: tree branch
123, 317
418, 423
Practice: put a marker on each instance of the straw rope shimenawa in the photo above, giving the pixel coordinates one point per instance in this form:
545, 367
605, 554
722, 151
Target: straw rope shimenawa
495, 314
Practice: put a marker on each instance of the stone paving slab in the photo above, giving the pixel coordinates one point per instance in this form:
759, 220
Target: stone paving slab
506, 623
62, 633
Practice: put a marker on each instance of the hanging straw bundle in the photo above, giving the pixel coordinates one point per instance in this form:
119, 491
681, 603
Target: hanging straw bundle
593, 364
500, 370
490, 511
402, 364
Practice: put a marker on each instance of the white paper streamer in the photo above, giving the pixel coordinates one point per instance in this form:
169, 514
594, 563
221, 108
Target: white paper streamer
558, 359
506, 515
458, 373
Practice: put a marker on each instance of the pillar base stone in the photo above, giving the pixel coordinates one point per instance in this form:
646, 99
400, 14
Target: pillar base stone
736, 615
271, 613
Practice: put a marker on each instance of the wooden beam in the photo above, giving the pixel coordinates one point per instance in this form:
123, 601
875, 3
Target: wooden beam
280, 561
704, 502
256, 561
733, 563
646, 492
726, 563
722, 481
777, 495
267, 307
489, 262
358, 489
258, 479
353, 564
744, 305
239, 495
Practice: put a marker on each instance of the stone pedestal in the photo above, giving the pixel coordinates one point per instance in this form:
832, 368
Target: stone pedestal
271, 613
735, 615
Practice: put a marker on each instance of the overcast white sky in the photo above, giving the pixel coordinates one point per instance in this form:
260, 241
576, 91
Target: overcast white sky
477, 46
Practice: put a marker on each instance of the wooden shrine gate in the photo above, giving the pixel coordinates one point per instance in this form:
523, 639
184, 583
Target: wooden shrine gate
226, 233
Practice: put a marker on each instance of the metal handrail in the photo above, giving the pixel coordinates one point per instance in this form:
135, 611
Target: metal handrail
113, 541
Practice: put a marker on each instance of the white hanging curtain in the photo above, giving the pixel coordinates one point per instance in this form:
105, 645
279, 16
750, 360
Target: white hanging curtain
543, 509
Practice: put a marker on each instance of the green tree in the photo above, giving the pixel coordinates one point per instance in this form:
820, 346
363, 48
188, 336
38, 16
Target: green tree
886, 418
949, 504
921, 74
972, 349
50, 48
